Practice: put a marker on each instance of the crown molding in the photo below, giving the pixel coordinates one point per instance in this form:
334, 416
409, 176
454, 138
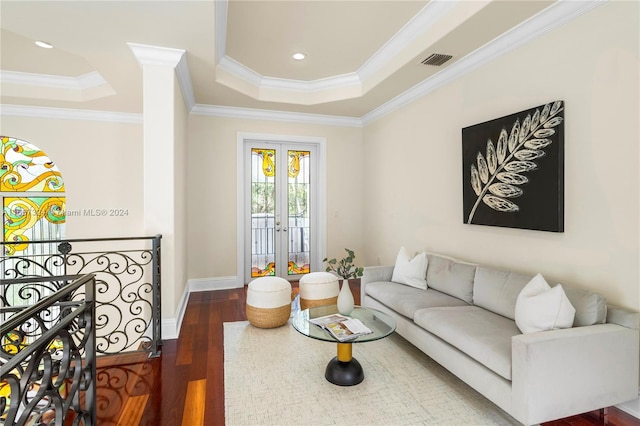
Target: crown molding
550, 18
82, 82
154, 55
280, 89
184, 80
269, 115
220, 8
419, 24
168, 57
55, 87
555, 16
69, 114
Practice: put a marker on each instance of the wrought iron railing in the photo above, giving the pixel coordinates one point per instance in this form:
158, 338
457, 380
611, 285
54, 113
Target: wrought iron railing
127, 272
48, 357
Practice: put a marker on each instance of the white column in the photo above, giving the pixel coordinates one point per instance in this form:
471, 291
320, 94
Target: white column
164, 166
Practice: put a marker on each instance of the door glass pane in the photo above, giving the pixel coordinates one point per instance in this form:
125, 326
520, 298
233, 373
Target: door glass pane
263, 204
298, 206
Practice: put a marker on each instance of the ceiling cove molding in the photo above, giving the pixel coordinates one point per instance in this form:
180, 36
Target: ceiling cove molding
184, 80
69, 114
82, 82
552, 17
419, 24
269, 115
220, 8
425, 19
168, 57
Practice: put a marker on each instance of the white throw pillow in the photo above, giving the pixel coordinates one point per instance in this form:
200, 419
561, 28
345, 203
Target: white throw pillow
540, 307
412, 272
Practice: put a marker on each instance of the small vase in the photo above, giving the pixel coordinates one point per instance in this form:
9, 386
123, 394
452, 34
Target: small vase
345, 299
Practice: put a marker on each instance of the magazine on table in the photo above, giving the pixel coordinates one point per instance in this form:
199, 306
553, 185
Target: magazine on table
341, 327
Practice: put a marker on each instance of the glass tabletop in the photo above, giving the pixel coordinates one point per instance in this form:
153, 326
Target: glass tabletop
378, 322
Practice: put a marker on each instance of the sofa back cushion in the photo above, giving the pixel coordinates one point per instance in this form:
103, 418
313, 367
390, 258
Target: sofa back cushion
451, 277
497, 290
591, 308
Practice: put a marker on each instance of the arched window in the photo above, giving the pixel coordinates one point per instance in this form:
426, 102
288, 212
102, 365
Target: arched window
32, 192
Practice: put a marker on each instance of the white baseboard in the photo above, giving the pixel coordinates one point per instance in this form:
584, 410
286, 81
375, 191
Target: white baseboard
171, 326
631, 407
169, 329
214, 283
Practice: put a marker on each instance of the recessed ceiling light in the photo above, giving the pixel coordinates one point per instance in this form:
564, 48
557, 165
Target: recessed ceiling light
44, 44
299, 56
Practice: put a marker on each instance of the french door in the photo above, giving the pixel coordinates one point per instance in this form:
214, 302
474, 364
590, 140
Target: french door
281, 200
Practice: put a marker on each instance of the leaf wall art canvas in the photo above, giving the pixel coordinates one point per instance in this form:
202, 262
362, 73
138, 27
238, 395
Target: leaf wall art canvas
513, 170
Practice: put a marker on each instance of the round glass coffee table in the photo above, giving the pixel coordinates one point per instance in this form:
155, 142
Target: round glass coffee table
344, 369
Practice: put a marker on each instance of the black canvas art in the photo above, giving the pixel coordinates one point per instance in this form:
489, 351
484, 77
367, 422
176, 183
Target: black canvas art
513, 170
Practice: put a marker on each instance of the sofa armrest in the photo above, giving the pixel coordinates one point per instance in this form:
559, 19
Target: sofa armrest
560, 373
373, 274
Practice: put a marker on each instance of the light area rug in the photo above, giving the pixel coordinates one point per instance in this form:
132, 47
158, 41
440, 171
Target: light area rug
276, 377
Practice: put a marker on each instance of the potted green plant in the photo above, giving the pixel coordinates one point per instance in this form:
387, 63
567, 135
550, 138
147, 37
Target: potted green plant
345, 269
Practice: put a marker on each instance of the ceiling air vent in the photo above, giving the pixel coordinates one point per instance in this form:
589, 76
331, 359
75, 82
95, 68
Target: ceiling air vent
436, 59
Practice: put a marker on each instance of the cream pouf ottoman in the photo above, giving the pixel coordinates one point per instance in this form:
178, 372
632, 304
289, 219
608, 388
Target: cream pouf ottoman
317, 289
268, 302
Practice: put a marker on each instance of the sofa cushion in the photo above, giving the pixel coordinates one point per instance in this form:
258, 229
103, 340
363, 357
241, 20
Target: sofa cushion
540, 307
482, 335
406, 300
591, 308
410, 271
452, 277
497, 290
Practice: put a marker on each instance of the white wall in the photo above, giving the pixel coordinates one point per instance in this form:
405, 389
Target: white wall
212, 180
101, 164
181, 195
413, 172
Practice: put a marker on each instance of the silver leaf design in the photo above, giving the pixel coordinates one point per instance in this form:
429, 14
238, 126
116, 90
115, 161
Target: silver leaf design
505, 190
498, 177
543, 133
553, 122
501, 150
500, 204
513, 136
536, 118
512, 178
520, 166
492, 158
524, 129
537, 143
475, 180
545, 113
528, 154
483, 170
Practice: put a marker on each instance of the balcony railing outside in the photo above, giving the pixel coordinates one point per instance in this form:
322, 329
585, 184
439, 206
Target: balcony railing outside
127, 273
48, 356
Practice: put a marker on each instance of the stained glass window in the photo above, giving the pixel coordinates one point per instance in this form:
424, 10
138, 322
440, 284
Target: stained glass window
263, 208
298, 205
27, 168
280, 218
32, 191
32, 218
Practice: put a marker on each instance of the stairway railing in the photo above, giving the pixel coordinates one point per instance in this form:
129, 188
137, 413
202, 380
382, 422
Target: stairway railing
127, 273
48, 356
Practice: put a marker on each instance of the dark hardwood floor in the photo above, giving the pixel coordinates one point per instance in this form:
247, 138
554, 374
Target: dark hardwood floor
185, 386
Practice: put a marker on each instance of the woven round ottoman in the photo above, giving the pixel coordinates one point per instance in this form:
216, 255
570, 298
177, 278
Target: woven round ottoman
317, 289
268, 302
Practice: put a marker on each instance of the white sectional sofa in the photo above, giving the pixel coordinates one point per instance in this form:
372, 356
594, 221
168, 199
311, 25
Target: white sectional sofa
465, 320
